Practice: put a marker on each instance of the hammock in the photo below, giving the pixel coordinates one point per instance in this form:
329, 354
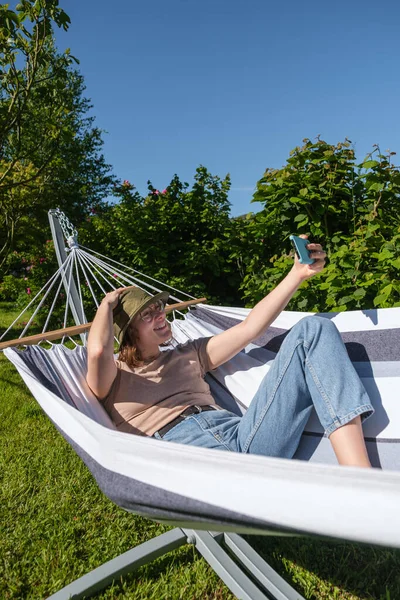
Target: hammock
200, 489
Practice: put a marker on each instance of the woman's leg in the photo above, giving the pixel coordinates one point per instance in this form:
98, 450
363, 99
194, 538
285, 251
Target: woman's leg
349, 446
312, 368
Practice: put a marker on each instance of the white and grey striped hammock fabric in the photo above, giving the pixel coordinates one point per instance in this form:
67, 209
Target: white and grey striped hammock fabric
224, 491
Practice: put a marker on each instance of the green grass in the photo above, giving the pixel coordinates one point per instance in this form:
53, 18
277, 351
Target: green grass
56, 525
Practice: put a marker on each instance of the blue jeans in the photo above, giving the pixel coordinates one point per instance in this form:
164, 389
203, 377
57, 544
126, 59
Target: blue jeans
312, 368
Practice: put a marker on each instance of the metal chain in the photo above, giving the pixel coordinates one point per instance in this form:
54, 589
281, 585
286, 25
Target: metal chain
70, 232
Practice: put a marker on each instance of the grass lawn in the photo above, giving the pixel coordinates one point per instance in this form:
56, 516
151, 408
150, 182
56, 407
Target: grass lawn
56, 525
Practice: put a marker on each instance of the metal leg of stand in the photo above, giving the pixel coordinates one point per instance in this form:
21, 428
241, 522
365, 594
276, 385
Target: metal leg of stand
261, 570
103, 576
265, 584
230, 573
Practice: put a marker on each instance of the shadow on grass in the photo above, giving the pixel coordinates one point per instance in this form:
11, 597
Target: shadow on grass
316, 567
10, 382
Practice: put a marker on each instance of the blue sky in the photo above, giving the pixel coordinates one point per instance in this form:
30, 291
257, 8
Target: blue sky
234, 84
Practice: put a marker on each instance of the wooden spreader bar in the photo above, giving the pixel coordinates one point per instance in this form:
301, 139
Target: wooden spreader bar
77, 329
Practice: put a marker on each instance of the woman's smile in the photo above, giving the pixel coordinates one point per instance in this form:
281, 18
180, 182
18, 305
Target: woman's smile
162, 327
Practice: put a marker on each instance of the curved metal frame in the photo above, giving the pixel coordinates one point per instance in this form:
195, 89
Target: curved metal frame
261, 582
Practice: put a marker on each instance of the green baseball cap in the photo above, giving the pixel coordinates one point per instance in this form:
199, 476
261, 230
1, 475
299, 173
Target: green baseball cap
131, 302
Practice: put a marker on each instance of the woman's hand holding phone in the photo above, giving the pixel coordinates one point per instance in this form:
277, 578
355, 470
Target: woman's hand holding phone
307, 266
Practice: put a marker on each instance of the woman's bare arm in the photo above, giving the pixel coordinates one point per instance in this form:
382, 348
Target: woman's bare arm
225, 345
102, 369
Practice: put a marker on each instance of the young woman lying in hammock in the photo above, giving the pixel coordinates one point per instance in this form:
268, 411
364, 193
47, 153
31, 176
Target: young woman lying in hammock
163, 393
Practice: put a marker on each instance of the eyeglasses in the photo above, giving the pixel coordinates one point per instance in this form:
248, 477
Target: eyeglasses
152, 311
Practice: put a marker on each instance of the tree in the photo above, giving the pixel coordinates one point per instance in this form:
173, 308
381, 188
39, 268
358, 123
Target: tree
27, 64
24, 50
49, 148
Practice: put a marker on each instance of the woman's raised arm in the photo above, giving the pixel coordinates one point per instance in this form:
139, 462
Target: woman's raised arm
224, 346
102, 369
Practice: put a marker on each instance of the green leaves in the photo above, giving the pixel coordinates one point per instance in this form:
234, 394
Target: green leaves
352, 210
300, 217
369, 164
359, 294
383, 296
396, 263
383, 255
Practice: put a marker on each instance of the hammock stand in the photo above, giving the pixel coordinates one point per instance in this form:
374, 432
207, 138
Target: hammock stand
248, 576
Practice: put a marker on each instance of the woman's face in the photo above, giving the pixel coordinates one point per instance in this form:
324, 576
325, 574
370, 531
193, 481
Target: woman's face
152, 327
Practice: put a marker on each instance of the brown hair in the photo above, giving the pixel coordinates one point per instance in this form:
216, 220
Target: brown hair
129, 353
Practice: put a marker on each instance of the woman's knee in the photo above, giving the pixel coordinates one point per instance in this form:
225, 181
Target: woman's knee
317, 323
314, 326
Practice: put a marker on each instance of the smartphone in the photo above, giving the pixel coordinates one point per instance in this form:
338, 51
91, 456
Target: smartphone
299, 244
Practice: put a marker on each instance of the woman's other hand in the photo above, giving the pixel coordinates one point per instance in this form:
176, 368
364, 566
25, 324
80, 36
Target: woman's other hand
111, 299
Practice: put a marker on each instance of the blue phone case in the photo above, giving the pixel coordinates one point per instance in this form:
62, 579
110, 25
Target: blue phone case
299, 245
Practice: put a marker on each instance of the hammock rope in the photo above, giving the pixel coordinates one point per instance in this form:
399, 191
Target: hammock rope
164, 285
52, 306
49, 283
125, 278
71, 235
85, 268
